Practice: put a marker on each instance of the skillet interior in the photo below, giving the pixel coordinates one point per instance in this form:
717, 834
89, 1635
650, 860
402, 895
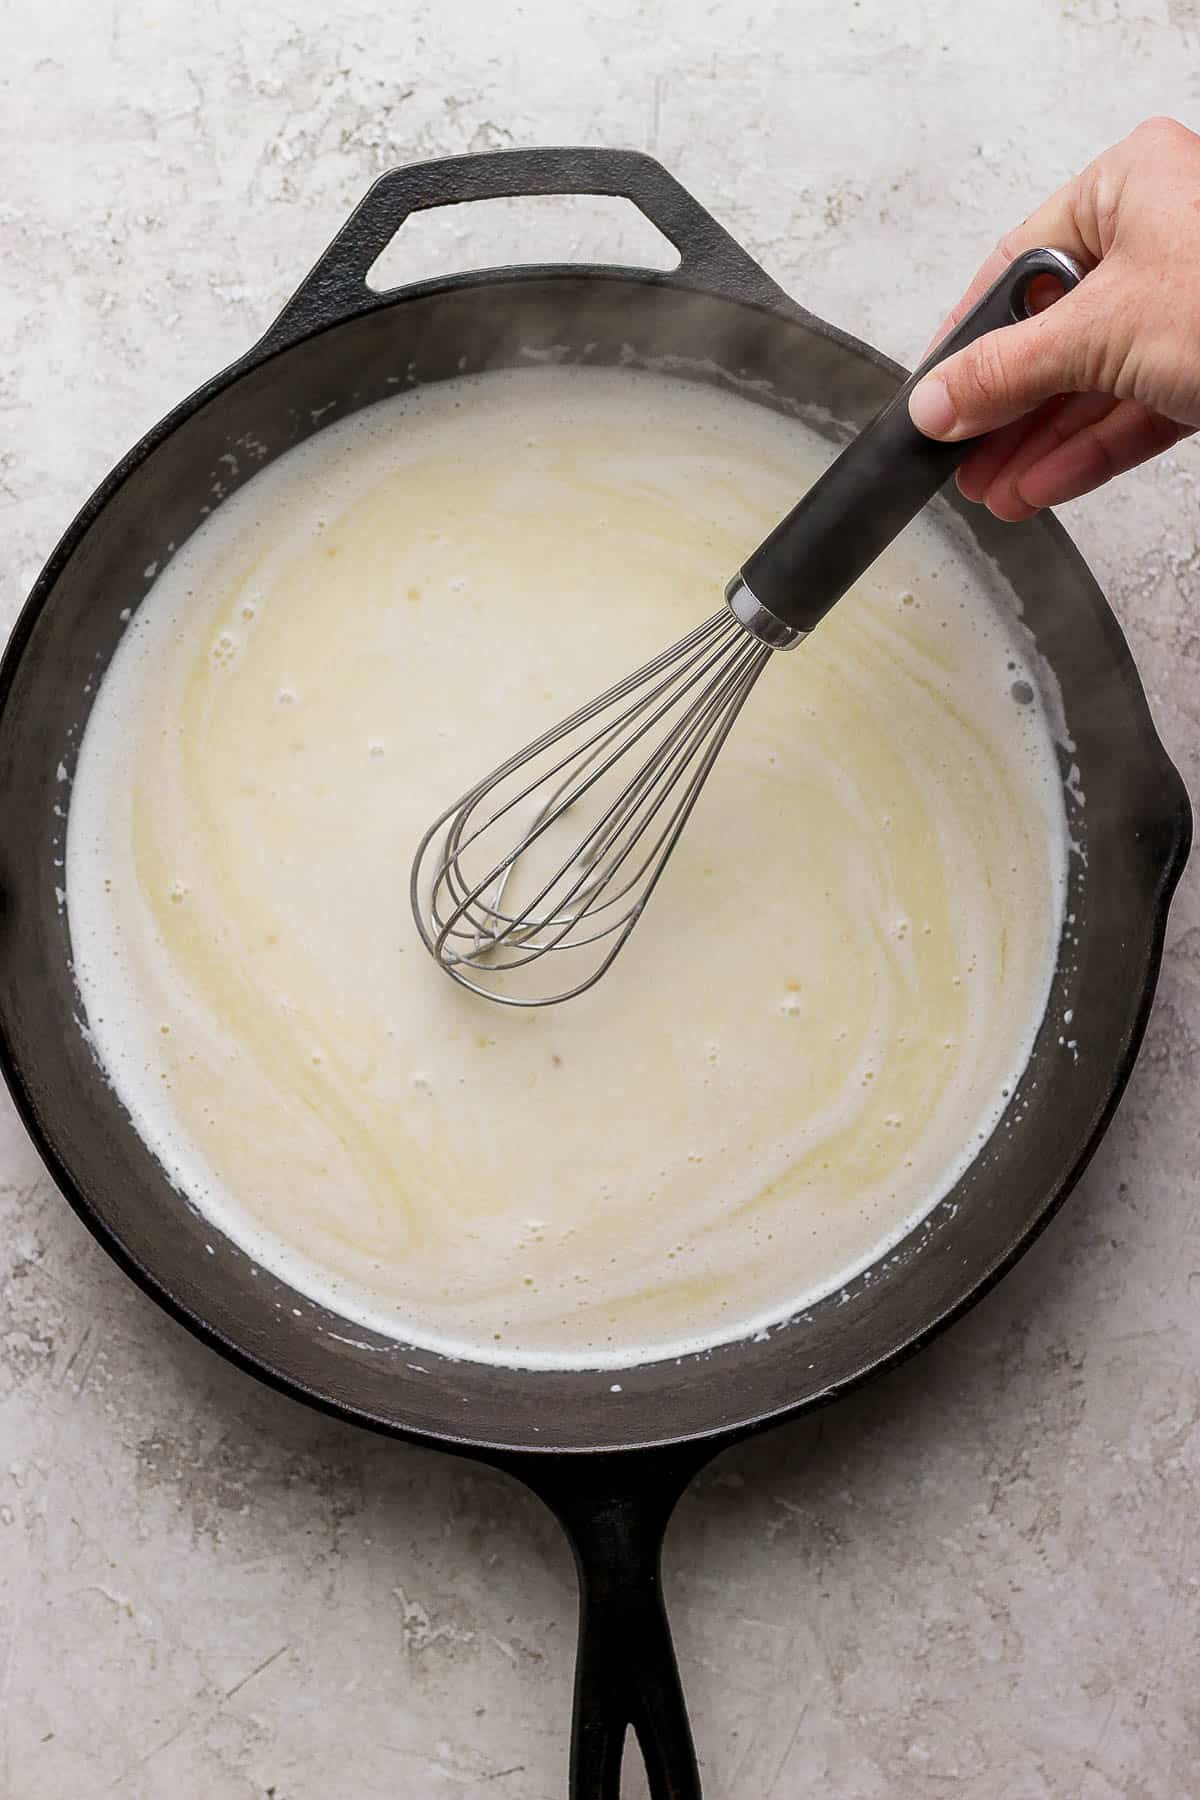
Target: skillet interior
1132, 836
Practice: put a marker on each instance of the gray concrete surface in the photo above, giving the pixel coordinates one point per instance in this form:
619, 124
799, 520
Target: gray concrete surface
979, 1578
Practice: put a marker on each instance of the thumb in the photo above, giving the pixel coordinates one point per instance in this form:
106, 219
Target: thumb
1005, 374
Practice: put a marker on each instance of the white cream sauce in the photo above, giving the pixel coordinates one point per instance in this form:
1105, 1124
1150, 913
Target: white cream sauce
811, 1032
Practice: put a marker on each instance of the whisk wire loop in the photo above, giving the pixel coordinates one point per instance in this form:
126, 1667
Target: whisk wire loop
678, 709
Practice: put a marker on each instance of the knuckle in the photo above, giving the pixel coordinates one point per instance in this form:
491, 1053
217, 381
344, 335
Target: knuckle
1107, 342
1100, 188
1160, 133
982, 381
1120, 370
1103, 454
1099, 366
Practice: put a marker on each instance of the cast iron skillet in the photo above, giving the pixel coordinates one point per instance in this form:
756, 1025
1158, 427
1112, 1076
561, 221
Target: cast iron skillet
609, 1456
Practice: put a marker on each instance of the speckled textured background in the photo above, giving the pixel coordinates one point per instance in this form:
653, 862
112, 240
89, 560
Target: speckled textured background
978, 1578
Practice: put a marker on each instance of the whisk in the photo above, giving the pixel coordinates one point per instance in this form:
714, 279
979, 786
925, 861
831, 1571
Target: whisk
528, 886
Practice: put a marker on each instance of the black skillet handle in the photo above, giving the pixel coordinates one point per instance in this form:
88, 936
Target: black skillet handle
877, 485
336, 287
614, 1510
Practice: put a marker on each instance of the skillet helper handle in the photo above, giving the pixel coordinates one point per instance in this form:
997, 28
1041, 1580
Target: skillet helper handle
878, 484
336, 289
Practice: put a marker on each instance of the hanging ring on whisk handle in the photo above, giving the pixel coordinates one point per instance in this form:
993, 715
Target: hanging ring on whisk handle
878, 484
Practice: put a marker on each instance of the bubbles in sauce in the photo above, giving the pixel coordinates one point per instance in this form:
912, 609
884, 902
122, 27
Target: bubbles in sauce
834, 989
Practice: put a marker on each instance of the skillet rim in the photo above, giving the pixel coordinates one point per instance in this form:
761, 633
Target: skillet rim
1173, 809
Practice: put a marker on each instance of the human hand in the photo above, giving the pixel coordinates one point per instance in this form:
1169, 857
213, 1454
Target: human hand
1109, 375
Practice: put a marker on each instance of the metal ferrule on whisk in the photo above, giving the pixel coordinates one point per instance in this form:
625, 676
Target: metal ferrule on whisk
758, 619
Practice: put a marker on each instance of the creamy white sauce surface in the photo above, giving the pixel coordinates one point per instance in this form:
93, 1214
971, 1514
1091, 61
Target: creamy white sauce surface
813, 1028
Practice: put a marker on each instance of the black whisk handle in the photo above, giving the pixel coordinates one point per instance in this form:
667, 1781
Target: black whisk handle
877, 485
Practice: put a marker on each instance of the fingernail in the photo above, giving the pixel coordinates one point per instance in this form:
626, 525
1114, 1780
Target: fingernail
931, 409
